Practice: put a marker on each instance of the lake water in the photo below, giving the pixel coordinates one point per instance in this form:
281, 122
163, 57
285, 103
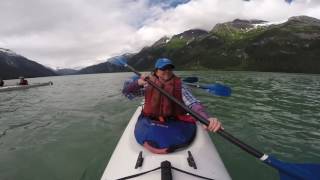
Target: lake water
68, 131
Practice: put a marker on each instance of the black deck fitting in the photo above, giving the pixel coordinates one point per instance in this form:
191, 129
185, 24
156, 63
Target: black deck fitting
139, 160
191, 161
166, 170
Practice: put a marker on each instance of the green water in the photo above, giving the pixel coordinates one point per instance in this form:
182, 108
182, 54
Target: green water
68, 131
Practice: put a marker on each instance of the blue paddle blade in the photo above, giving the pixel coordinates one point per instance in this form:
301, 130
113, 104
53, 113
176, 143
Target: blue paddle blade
191, 79
217, 89
119, 61
135, 77
291, 171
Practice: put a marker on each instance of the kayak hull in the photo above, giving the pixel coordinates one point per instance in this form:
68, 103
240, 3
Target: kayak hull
21, 87
123, 160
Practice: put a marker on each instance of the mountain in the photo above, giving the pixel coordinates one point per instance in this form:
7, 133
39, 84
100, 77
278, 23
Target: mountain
244, 45
237, 25
66, 71
293, 46
146, 58
105, 67
13, 65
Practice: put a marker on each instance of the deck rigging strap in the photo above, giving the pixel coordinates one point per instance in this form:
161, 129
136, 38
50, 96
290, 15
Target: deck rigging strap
191, 174
182, 171
139, 174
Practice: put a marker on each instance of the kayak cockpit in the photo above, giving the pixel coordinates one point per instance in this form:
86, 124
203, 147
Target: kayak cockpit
126, 154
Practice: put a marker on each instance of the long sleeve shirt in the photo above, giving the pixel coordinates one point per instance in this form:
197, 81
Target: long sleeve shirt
132, 89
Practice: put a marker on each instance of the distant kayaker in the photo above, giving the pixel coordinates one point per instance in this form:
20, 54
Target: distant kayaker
23, 81
160, 108
1, 82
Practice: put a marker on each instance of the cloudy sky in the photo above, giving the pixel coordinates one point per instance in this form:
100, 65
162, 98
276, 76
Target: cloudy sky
69, 33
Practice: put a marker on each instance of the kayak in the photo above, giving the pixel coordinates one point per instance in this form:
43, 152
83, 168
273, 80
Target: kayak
199, 159
20, 87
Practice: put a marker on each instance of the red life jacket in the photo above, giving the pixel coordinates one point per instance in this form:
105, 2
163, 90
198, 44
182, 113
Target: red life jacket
157, 105
23, 82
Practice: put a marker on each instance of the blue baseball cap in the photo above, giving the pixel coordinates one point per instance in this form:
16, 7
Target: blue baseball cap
162, 62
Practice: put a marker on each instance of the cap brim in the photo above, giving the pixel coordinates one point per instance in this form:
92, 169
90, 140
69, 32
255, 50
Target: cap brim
172, 66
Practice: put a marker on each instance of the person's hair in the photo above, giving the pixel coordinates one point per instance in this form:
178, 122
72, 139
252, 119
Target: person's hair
153, 72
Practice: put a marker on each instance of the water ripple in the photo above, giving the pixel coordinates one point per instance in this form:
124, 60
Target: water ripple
59, 129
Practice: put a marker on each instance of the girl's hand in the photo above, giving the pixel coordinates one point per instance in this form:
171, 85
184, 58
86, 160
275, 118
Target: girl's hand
214, 124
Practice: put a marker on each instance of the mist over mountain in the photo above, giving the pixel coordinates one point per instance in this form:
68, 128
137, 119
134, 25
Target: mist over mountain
244, 45
13, 65
66, 71
105, 67
254, 45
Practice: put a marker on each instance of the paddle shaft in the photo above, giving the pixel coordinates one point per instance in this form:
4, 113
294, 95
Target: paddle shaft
204, 121
194, 85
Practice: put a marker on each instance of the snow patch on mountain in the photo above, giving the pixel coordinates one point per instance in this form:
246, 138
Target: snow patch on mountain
8, 52
264, 24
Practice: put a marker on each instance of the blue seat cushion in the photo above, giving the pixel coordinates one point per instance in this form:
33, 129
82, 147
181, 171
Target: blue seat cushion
172, 134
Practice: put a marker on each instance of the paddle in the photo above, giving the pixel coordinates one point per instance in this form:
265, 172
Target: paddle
287, 171
191, 79
215, 89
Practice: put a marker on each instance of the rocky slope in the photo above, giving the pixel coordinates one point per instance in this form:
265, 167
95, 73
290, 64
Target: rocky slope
105, 67
293, 46
13, 65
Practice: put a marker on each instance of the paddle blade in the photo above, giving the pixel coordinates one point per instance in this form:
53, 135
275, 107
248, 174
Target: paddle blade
119, 61
191, 79
291, 171
217, 89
